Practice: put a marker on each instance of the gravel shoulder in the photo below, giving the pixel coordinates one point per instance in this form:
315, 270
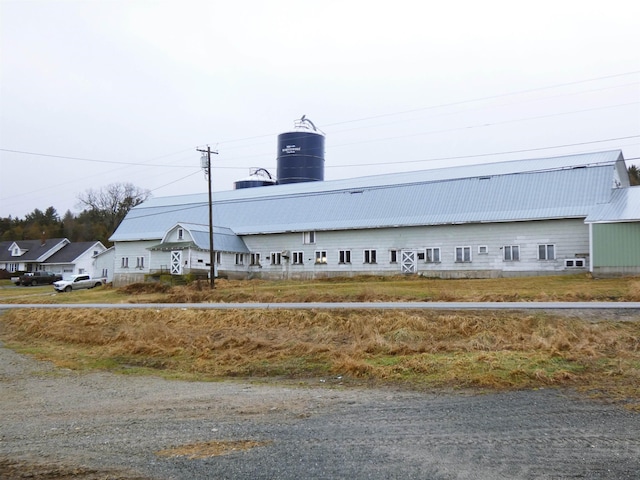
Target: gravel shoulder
56, 423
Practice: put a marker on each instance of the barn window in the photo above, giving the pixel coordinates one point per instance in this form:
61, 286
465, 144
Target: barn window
578, 262
180, 234
369, 256
124, 262
483, 249
433, 255
309, 238
393, 256
511, 253
140, 262
546, 252
276, 258
218, 258
255, 259
239, 259
298, 258
321, 256
463, 254
345, 256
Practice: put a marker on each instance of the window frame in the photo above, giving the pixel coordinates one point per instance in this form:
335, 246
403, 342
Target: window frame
430, 254
344, 257
239, 259
464, 258
255, 259
320, 257
574, 263
124, 262
393, 255
275, 258
546, 247
309, 238
370, 256
511, 249
297, 257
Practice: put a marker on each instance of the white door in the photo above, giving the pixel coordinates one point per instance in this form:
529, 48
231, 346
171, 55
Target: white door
409, 261
176, 262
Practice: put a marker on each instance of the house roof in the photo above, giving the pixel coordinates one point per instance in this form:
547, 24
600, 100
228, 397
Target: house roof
36, 250
543, 188
624, 207
69, 253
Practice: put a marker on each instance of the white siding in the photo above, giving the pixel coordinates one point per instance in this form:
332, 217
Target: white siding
173, 237
570, 238
86, 263
131, 250
105, 263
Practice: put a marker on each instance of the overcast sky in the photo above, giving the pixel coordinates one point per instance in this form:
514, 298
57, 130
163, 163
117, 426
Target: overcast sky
98, 92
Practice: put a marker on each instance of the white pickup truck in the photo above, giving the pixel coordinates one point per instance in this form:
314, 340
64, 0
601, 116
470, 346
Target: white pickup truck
77, 282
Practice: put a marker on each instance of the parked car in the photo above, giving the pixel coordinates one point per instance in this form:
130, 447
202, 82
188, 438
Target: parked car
38, 278
78, 282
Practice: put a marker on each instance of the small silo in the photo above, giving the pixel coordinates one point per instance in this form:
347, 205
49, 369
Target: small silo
301, 153
259, 177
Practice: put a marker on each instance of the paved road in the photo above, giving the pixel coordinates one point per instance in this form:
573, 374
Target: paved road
625, 306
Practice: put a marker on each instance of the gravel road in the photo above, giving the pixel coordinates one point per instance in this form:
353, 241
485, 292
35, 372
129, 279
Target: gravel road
59, 424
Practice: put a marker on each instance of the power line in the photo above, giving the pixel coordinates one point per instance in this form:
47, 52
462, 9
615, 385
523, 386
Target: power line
450, 104
22, 152
490, 97
175, 181
481, 107
493, 153
483, 125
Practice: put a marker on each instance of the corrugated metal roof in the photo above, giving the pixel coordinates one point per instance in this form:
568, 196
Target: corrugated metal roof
624, 207
558, 187
224, 239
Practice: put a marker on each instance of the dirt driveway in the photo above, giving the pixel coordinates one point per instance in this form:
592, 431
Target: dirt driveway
59, 424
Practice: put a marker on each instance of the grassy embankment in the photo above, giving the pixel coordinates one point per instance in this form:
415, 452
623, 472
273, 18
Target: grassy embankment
415, 349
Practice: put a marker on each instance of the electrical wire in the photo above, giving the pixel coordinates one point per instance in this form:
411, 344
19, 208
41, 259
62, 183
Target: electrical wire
480, 155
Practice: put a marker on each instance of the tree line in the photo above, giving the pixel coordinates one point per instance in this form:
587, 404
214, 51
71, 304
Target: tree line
102, 211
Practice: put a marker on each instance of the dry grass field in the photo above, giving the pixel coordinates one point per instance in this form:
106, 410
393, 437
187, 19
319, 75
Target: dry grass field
358, 289
412, 349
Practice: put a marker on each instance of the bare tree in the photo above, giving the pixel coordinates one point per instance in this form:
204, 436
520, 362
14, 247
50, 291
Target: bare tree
634, 175
109, 205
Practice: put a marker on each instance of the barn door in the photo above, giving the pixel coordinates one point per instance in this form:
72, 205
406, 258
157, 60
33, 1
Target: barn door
409, 261
176, 262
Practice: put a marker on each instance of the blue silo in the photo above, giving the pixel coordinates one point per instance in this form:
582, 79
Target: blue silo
301, 154
259, 177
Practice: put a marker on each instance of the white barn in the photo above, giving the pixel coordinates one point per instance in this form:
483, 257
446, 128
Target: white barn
514, 218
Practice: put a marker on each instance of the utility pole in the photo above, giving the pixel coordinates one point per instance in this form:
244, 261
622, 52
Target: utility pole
207, 173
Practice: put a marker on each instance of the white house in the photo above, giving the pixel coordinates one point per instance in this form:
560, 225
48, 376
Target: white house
75, 258
28, 255
57, 255
514, 218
